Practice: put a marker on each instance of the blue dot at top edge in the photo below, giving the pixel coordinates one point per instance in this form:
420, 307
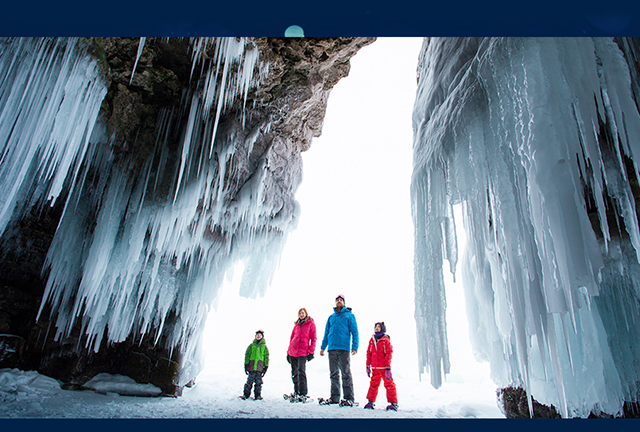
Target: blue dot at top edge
294, 31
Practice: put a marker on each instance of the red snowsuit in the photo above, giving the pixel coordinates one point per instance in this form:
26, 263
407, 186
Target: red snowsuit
379, 358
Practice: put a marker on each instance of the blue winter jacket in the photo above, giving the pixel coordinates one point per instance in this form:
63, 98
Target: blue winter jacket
341, 326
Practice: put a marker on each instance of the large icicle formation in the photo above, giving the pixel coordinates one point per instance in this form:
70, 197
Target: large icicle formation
139, 249
47, 113
539, 140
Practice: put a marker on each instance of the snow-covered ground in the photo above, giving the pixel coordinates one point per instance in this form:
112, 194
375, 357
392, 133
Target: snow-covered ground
215, 395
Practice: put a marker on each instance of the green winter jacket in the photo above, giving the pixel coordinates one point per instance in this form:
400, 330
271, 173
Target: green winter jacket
256, 357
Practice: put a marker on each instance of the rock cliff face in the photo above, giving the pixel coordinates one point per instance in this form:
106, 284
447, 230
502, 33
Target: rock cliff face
192, 163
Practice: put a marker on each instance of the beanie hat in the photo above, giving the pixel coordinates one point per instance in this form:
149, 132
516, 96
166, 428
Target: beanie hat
261, 332
383, 328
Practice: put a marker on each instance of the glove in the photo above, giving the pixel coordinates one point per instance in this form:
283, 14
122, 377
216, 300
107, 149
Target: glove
246, 372
309, 357
288, 359
387, 373
264, 371
369, 371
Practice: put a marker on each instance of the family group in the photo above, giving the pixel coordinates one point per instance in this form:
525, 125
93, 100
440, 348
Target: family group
340, 341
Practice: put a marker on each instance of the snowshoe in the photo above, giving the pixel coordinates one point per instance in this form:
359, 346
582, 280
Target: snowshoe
369, 405
348, 403
294, 398
323, 401
392, 407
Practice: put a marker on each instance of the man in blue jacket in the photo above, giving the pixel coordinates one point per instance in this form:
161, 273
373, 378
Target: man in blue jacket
340, 336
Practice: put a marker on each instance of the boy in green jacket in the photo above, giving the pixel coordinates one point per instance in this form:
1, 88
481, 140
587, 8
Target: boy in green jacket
256, 362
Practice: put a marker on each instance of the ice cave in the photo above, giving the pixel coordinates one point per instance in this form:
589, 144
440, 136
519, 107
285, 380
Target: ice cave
135, 173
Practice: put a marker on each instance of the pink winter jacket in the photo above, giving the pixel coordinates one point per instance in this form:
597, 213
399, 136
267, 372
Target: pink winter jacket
303, 339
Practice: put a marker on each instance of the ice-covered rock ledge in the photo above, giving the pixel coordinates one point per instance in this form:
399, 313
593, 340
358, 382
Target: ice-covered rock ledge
134, 174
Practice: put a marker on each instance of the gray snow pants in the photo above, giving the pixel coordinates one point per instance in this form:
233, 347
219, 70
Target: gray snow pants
339, 363
254, 378
299, 374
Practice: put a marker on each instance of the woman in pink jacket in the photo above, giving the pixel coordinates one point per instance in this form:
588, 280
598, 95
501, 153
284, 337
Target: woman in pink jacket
302, 344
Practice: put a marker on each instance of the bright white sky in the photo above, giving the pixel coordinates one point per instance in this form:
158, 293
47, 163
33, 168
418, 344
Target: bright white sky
355, 235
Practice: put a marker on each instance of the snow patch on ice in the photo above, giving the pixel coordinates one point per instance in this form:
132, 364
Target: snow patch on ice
123, 385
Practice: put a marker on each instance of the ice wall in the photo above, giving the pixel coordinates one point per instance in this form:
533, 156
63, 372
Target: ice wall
142, 246
538, 140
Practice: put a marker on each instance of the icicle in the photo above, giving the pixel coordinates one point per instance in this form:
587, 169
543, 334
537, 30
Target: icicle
132, 250
140, 48
48, 110
147, 251
524, 132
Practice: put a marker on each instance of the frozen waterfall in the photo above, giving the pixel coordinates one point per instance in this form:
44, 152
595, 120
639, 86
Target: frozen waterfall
143, 247
538, 140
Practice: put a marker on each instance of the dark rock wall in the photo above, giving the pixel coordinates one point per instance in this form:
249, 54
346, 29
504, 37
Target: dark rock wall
514, 403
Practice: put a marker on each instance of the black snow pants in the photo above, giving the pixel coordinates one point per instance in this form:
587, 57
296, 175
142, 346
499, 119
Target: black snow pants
254, 377
339, 363
299, 375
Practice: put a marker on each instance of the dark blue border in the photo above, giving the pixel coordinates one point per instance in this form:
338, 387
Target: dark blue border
319, 425
260, 18
319, 18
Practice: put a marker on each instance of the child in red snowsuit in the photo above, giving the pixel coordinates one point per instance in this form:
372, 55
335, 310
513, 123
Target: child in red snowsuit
379, 355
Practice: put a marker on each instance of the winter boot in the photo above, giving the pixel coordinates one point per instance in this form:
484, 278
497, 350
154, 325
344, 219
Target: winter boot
369, 405
392, 407
243, 397
329, 401
258, 397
